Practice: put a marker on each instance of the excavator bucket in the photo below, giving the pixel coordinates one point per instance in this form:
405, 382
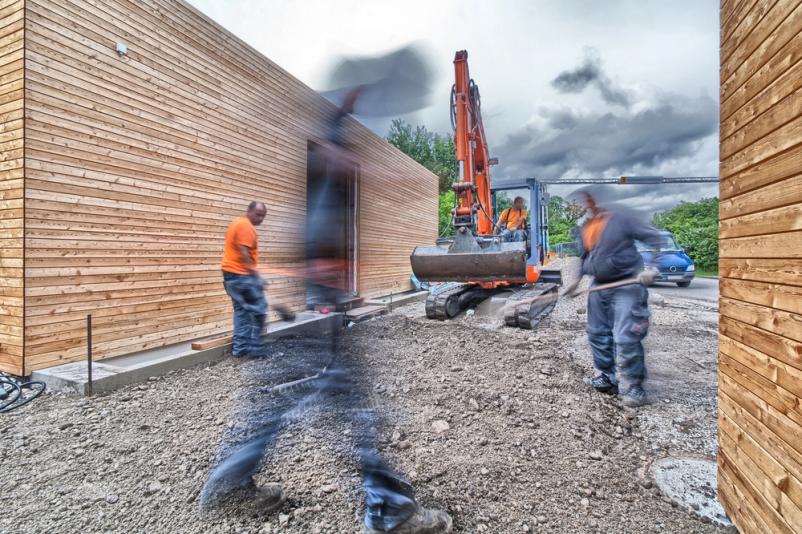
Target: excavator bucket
468, 259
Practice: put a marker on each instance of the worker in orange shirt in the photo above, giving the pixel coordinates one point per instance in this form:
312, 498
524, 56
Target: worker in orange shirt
512, 221
243, 282
618, 318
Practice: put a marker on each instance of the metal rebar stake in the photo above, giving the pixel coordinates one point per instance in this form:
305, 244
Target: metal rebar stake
89, 354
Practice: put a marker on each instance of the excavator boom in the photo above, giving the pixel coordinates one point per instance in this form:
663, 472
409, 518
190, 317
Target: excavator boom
476, 255
472, 188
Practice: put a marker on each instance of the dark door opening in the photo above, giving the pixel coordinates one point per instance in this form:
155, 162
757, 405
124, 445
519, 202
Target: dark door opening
332, 199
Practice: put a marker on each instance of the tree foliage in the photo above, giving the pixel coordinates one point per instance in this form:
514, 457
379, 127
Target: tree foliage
434, 151
444, 213
563, 216
695, 226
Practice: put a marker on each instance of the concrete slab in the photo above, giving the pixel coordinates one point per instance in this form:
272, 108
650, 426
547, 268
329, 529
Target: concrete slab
365, 313
113, 373
398, 299
691, 483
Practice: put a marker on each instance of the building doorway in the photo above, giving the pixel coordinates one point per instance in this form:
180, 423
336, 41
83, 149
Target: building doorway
332, 223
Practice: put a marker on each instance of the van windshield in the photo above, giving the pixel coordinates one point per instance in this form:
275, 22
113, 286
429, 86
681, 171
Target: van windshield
668, 246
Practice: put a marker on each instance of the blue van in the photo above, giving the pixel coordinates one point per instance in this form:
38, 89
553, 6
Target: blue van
674, 265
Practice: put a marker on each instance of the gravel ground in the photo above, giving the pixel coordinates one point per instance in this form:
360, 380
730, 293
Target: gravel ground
491, 424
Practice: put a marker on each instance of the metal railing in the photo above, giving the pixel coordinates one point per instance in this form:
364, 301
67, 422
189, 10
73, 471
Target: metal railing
563, 250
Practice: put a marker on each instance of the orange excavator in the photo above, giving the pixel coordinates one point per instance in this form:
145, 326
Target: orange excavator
478, 261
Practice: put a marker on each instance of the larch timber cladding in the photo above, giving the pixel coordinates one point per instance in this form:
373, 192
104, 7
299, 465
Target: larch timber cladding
760, 359
135, 165
12, 27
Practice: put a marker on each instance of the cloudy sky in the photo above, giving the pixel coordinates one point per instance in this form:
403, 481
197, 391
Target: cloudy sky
570, 88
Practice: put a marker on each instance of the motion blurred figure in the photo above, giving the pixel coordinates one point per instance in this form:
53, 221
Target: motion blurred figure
618, 318
319, 374
242, 281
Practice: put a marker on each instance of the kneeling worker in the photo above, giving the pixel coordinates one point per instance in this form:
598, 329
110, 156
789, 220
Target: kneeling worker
513, 221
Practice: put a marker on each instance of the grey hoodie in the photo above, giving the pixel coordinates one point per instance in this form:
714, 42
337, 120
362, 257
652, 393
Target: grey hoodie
615, 256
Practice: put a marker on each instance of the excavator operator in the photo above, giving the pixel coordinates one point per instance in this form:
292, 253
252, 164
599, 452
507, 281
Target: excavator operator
512, 221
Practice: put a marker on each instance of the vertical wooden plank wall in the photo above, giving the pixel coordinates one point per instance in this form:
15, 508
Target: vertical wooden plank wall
12, 25
136, 164
760, 364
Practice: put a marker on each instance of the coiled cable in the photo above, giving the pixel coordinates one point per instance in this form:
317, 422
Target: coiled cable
15, 392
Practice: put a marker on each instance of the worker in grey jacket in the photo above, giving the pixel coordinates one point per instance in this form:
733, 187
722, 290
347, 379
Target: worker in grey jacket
618, 318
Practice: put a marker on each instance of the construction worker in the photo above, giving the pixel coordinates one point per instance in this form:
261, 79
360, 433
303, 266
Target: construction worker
618, 318
512, 221
318, 373
243, 282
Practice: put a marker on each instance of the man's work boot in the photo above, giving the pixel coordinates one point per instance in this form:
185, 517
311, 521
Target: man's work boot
602, 384
265, 499
634, 397
425, 521
261, 499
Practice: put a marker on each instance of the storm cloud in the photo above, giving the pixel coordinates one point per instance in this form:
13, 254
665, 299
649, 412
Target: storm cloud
567, 142
591, 72
625, 137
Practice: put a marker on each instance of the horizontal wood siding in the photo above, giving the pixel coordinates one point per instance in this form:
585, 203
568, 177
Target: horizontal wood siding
760, 359
135, 166
12, 82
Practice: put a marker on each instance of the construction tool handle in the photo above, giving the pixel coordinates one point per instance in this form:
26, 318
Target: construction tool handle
609, 285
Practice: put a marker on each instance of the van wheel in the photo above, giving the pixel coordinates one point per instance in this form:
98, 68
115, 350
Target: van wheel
684, 283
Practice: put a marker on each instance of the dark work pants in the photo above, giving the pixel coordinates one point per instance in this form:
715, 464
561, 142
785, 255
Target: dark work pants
618, 320
250, 312
389, 498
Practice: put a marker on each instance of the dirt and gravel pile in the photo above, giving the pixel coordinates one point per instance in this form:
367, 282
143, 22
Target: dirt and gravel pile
492, 425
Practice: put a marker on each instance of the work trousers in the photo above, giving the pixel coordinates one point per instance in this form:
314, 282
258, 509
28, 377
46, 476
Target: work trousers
337, 396
618, 320
250, 312
513, 235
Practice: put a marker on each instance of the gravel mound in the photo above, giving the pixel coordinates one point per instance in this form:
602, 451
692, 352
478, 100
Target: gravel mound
493, 425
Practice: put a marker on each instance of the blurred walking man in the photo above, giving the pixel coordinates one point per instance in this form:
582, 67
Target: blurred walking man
618, 318
243, 283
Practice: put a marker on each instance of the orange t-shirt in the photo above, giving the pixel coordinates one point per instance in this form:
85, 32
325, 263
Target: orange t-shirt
512, 217
593, 230
240, 233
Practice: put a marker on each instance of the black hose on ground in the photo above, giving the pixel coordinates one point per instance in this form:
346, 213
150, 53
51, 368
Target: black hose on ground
15, 392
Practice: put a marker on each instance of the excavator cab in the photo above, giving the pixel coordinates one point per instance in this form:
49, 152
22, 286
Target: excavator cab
487, 259
537, 231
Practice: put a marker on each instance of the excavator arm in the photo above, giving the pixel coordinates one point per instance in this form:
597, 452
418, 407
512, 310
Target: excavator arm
472, 189
482, 262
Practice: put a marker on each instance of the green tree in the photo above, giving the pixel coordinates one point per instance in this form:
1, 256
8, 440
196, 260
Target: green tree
446, 203
695, 226
434, 151
563, 215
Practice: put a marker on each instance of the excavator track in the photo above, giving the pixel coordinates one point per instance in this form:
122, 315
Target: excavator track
447, 304
527, 308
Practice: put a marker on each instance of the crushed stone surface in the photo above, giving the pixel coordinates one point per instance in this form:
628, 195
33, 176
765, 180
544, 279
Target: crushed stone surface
492, 424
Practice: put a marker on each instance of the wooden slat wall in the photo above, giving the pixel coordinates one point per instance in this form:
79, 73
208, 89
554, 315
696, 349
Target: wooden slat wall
760, 363
12, 81
135, 166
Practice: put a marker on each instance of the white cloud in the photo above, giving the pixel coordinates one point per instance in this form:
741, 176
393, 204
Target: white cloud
648, 48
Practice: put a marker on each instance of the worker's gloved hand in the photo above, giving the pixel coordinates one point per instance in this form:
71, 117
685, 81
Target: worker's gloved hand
647, 277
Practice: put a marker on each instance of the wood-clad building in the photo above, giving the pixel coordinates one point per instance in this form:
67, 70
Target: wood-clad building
760, 364
120, 173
